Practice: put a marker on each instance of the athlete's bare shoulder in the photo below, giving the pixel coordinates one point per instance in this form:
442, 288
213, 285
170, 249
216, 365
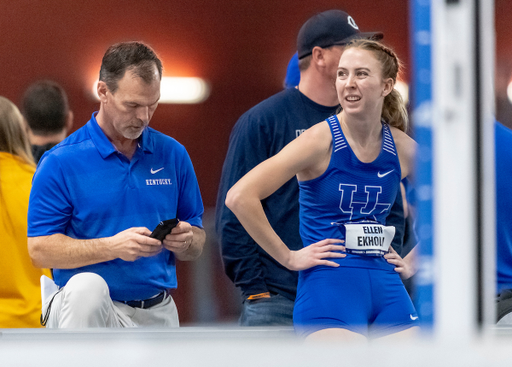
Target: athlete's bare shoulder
406, 147
402, 140
316, 143
319, 131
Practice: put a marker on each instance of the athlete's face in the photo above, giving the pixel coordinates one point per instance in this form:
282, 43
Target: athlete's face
359, 83
130, 108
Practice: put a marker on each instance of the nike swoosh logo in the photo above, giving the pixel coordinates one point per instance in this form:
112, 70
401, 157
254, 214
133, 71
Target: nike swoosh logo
380, 175
155, 171
413, 317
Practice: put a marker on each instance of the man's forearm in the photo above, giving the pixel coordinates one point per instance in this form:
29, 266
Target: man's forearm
63, 252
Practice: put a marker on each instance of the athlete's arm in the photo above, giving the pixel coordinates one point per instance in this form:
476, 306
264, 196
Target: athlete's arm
406, 148
63, 252
302, 156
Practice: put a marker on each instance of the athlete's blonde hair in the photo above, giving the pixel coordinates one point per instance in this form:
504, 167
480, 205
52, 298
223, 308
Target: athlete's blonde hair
13, 134
394, 111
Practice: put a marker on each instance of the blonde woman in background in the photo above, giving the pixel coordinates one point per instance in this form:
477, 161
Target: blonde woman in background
20, 292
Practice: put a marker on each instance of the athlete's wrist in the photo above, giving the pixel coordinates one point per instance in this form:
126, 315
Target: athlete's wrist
291, 260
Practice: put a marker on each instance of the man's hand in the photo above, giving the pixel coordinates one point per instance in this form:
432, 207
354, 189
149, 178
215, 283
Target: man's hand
134, 243
180, 238
186, 241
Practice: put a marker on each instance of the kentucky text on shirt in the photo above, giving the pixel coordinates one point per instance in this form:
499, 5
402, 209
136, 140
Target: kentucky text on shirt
160, 181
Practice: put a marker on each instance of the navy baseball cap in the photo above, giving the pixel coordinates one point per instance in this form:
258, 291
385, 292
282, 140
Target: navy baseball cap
329, 28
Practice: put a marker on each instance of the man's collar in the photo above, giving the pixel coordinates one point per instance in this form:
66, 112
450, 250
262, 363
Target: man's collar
105, 146
100, 140
145, 142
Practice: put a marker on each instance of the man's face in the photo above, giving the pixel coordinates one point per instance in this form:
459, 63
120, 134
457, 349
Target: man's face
332, 59
129, 109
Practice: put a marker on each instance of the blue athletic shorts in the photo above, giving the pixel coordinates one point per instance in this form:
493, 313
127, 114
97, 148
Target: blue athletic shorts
371, 302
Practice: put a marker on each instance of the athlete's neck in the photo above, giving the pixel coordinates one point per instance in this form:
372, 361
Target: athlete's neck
360, 131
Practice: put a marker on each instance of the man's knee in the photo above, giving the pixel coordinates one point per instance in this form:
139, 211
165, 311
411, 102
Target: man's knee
86, 289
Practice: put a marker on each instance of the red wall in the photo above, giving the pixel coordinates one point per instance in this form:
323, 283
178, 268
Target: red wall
241, 47
503, 60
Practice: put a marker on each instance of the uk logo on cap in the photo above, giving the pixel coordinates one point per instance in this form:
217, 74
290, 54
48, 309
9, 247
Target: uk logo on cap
352, 22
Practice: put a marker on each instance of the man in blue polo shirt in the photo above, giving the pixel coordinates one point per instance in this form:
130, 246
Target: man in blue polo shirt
503, 162
97, 194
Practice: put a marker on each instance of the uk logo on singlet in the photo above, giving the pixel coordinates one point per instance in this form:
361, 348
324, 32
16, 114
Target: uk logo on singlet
359, 201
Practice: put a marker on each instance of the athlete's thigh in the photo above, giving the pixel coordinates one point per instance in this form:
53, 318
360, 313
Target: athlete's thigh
332, 298
393, 308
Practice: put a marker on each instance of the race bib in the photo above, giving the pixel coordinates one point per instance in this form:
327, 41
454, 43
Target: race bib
368, 238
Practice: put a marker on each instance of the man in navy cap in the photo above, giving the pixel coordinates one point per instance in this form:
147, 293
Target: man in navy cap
268, 288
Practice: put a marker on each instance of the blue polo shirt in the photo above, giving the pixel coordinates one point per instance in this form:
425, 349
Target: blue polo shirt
503, 156
85, 189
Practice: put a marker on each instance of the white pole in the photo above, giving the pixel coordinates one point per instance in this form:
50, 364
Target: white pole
463, 174
488, 224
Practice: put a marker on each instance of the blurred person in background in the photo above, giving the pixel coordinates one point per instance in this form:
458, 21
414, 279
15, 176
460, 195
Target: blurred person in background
20, 292
292, 78
46, 111
503, 161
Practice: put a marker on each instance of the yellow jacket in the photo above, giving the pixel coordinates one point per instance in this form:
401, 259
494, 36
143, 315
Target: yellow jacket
20, 292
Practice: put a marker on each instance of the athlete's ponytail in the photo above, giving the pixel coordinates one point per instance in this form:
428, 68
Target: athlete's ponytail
394, 111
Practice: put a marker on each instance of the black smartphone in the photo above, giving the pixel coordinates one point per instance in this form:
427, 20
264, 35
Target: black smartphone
164, 228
